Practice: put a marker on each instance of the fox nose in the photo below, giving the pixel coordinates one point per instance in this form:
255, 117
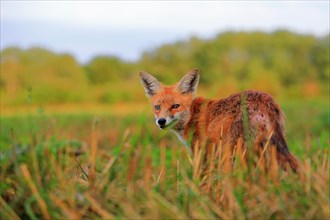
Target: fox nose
161, 121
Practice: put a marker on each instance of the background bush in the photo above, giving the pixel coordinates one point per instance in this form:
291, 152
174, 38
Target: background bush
282, 63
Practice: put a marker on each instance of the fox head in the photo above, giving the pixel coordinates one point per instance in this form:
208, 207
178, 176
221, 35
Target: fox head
171, 104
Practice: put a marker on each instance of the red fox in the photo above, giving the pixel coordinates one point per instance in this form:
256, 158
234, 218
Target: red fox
176, 107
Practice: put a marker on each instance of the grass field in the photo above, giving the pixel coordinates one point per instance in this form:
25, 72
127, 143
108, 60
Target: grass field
118, 165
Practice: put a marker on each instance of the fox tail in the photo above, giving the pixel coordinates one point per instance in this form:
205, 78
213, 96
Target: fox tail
283, 154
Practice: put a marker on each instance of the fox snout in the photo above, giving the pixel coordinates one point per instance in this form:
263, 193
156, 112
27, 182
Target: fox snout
165, 122
161, 121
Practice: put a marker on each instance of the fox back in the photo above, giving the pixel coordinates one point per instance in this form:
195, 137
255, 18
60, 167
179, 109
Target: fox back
196, 119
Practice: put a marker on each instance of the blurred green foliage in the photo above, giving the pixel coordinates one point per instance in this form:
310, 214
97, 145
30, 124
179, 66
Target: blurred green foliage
283, 63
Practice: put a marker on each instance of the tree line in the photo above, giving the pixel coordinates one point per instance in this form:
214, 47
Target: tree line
282, 63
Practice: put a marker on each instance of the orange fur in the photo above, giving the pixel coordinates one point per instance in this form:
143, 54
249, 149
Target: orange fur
212, 120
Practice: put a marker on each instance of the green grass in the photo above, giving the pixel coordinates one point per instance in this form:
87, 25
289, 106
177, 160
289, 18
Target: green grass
107, 166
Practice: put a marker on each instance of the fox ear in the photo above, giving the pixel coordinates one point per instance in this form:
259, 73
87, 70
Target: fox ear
189, 82
150, 83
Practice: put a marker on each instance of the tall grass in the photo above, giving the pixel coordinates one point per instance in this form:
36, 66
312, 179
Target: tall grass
82, 167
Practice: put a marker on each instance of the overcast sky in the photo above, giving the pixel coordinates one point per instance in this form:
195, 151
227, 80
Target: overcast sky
127, 28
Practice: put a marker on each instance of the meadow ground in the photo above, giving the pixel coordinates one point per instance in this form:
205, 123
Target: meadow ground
109, 162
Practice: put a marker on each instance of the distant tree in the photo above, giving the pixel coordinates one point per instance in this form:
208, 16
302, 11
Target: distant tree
320, 58
46, 76
104, 69
278, 62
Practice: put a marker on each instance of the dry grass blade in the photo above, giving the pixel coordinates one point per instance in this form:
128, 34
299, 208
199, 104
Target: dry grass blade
226, 160
83, 182
273, 164
148, 169
210, 203
7, 211
132, 166
240, 154
159, 176
162, 176
35, 192
211, 168
265, 148
130, 210
35, 165
108, 165
12, 138
97, 208
177, 176
190, 159
80, 167
197, 160
170, 210
325, 163
71, 214
92, 158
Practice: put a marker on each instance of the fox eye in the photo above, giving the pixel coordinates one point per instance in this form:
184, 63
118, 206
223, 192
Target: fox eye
157, 107
175, 106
